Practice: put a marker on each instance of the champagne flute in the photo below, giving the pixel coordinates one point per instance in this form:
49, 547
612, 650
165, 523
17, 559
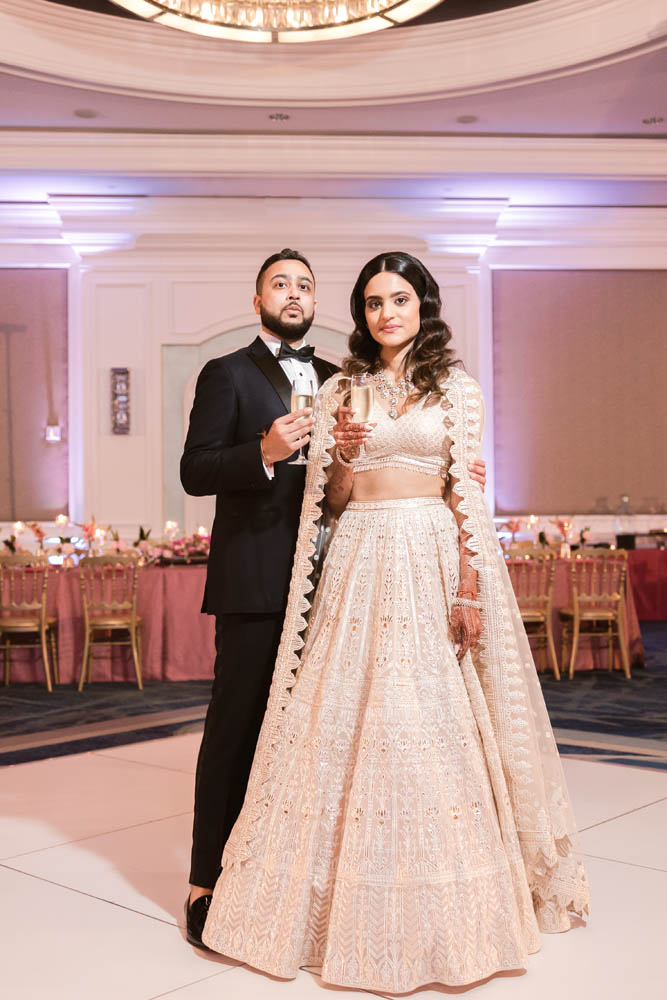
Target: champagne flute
362, 400
304, 391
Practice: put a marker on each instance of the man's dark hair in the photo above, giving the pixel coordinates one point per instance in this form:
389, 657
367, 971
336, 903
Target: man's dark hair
285, 254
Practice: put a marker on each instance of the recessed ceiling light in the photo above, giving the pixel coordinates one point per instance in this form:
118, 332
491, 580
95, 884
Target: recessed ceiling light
279, 116
86, 113
467, 119
653, 120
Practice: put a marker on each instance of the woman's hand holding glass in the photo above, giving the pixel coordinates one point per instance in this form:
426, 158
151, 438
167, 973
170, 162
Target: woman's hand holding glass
348, 435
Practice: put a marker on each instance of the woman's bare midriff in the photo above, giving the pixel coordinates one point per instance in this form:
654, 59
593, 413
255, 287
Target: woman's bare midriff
395, 484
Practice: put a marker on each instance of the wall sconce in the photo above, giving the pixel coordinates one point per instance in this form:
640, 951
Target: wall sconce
120, 400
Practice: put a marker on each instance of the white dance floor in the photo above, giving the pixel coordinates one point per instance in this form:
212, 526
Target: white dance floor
94, 853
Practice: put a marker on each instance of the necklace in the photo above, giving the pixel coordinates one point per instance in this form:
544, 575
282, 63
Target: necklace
392, 392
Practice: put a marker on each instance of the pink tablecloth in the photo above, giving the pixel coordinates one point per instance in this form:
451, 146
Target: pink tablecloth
178, 641
648, 575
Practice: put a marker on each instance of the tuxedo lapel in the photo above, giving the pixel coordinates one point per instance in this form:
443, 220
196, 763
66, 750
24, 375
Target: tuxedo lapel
272, 371
323, 369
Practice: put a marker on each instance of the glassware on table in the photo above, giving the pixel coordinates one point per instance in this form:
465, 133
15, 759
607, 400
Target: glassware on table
362, 398
304, 391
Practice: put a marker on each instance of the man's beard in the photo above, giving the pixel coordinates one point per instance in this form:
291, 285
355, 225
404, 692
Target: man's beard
289, 332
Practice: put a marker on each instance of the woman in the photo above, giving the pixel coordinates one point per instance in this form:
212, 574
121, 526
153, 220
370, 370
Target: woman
406, 820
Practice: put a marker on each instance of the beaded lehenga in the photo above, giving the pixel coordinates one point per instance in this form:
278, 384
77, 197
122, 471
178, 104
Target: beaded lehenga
406, 820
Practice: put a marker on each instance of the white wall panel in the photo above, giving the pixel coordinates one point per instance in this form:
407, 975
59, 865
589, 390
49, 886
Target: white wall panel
118, 487
196, 305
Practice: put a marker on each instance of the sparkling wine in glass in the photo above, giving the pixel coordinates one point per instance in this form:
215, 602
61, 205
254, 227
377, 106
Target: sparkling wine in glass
304, 391
361, 401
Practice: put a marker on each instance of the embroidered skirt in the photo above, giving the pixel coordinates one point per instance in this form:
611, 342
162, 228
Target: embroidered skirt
378, 855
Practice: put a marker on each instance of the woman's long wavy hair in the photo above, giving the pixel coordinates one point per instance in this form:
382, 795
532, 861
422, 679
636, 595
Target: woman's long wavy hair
429, 358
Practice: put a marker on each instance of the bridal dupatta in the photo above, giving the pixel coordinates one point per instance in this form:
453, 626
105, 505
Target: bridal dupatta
529, 787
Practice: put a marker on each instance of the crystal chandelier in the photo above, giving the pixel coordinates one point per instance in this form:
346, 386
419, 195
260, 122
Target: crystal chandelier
278, 20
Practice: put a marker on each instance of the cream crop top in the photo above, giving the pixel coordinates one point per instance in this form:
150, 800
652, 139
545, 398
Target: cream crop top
415, 441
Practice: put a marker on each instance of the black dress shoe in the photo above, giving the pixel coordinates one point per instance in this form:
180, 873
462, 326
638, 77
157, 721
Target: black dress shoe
195, 918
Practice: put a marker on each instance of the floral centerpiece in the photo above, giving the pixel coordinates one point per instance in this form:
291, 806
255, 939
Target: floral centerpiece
95, 539
39, 533
513, 525
193, 548
564, 525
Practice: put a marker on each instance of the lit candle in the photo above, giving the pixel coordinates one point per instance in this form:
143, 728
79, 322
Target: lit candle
19, 527
532, 520
170, 528
62, 520
201, 531
100, 534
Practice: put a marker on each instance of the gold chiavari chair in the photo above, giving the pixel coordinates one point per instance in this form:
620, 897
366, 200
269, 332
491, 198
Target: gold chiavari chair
23, 589
109, 595
532, 576
598, 604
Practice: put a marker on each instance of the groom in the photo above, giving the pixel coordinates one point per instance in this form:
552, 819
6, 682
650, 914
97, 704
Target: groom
241, 433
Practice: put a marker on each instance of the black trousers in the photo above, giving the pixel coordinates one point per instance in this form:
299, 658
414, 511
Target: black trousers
246, 648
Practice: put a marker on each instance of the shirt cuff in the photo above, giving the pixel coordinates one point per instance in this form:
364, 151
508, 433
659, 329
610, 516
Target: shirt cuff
269, 470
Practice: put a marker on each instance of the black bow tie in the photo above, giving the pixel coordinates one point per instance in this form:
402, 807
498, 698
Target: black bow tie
304, 353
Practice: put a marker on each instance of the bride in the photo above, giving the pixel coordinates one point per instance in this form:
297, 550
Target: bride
406, 820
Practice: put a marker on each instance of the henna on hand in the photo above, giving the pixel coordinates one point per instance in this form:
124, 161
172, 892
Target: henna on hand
466, 627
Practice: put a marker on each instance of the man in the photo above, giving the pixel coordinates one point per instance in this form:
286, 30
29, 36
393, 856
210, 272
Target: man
241, 433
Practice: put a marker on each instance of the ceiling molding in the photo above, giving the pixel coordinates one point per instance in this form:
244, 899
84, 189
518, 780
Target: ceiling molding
397, 156
162, 231
521, 45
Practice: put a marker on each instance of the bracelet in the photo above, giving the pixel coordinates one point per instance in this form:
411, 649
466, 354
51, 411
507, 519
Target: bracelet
464, 602
462, 593
269, 465
342, 460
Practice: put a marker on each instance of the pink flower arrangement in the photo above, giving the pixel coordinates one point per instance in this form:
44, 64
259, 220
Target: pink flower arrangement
118, 545
564, 525
513, 525
192, 547
89, 528
38, 532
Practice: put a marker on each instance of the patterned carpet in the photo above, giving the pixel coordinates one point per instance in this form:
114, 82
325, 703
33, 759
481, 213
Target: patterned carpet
600, 702
35, 724
600, 715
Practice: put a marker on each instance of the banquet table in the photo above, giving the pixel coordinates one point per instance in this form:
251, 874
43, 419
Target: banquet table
178, 641
647, 569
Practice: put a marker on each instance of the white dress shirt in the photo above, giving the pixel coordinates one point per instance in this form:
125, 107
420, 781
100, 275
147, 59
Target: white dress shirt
293, 367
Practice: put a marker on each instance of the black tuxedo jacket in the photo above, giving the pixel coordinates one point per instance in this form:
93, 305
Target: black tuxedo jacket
256, 518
